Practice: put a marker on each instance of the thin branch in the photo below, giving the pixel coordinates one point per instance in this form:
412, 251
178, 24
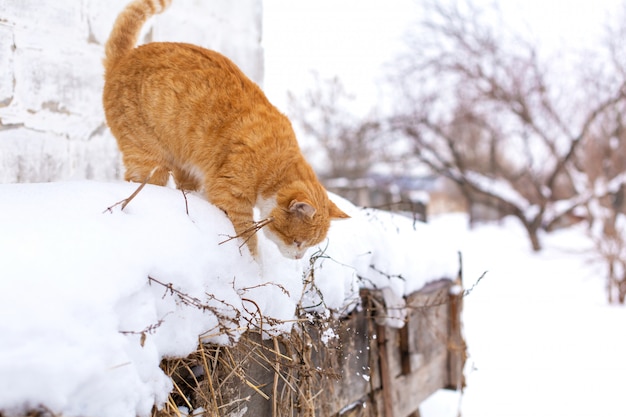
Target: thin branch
127, 200
250, 231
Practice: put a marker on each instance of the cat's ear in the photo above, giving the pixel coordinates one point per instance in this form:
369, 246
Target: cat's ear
335, 213
302, 208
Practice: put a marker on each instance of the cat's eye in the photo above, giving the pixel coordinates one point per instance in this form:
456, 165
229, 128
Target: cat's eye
298, 243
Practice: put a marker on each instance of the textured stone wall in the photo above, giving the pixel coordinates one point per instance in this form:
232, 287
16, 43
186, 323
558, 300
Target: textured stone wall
51, 119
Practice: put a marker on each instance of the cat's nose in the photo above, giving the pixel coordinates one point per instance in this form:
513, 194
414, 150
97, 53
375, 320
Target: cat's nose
299, 255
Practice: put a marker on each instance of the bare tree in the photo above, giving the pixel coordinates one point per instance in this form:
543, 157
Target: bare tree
350, 143
603, 159
483, 108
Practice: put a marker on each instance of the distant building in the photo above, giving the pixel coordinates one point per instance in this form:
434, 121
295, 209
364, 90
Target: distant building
417, 196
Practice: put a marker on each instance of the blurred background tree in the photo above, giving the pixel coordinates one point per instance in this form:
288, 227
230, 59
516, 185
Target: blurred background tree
483, 108
520, 132
351, 144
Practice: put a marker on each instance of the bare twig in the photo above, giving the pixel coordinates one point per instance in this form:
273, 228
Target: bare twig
470, 289
222, 315
127, 200
148, 330
250, 231
265, 284
258, 310
389, 276
186, 202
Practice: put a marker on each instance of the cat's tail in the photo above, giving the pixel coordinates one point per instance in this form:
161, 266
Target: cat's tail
127, 28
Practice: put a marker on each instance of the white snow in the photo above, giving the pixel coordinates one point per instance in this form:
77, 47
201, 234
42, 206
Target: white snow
542, 340
500, 188
91, 300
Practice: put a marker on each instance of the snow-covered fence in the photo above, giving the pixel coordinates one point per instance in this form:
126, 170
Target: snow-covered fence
111, 295
51, 119
356, 366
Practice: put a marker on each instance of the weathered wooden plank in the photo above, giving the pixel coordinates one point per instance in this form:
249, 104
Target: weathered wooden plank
378, 371
387, 359
359, 372
457, 348
410, 390
417, 354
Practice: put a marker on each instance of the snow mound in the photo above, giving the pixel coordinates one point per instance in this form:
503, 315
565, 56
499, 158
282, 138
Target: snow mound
91, 300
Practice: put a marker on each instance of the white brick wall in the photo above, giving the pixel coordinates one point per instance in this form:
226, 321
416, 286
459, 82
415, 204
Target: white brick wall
51, 119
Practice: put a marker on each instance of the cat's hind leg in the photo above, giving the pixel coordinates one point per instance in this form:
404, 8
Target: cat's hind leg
146, 170
186, 180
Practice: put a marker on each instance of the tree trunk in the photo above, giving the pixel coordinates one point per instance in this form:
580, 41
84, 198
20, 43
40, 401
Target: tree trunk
534, 240
532, 229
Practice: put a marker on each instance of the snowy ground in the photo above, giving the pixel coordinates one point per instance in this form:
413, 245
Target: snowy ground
83, 329
92, 300
542, 340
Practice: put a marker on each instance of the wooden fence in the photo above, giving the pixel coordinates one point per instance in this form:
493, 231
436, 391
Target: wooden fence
364, 369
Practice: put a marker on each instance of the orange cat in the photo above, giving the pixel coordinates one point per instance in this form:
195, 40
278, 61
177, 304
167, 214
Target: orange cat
181, 109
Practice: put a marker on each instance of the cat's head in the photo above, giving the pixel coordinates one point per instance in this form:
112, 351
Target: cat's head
301, 219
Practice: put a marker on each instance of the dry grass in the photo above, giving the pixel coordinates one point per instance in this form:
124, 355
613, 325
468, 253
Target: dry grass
288, 375
285, 376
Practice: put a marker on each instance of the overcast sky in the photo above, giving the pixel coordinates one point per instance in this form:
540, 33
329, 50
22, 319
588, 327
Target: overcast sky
354, 38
